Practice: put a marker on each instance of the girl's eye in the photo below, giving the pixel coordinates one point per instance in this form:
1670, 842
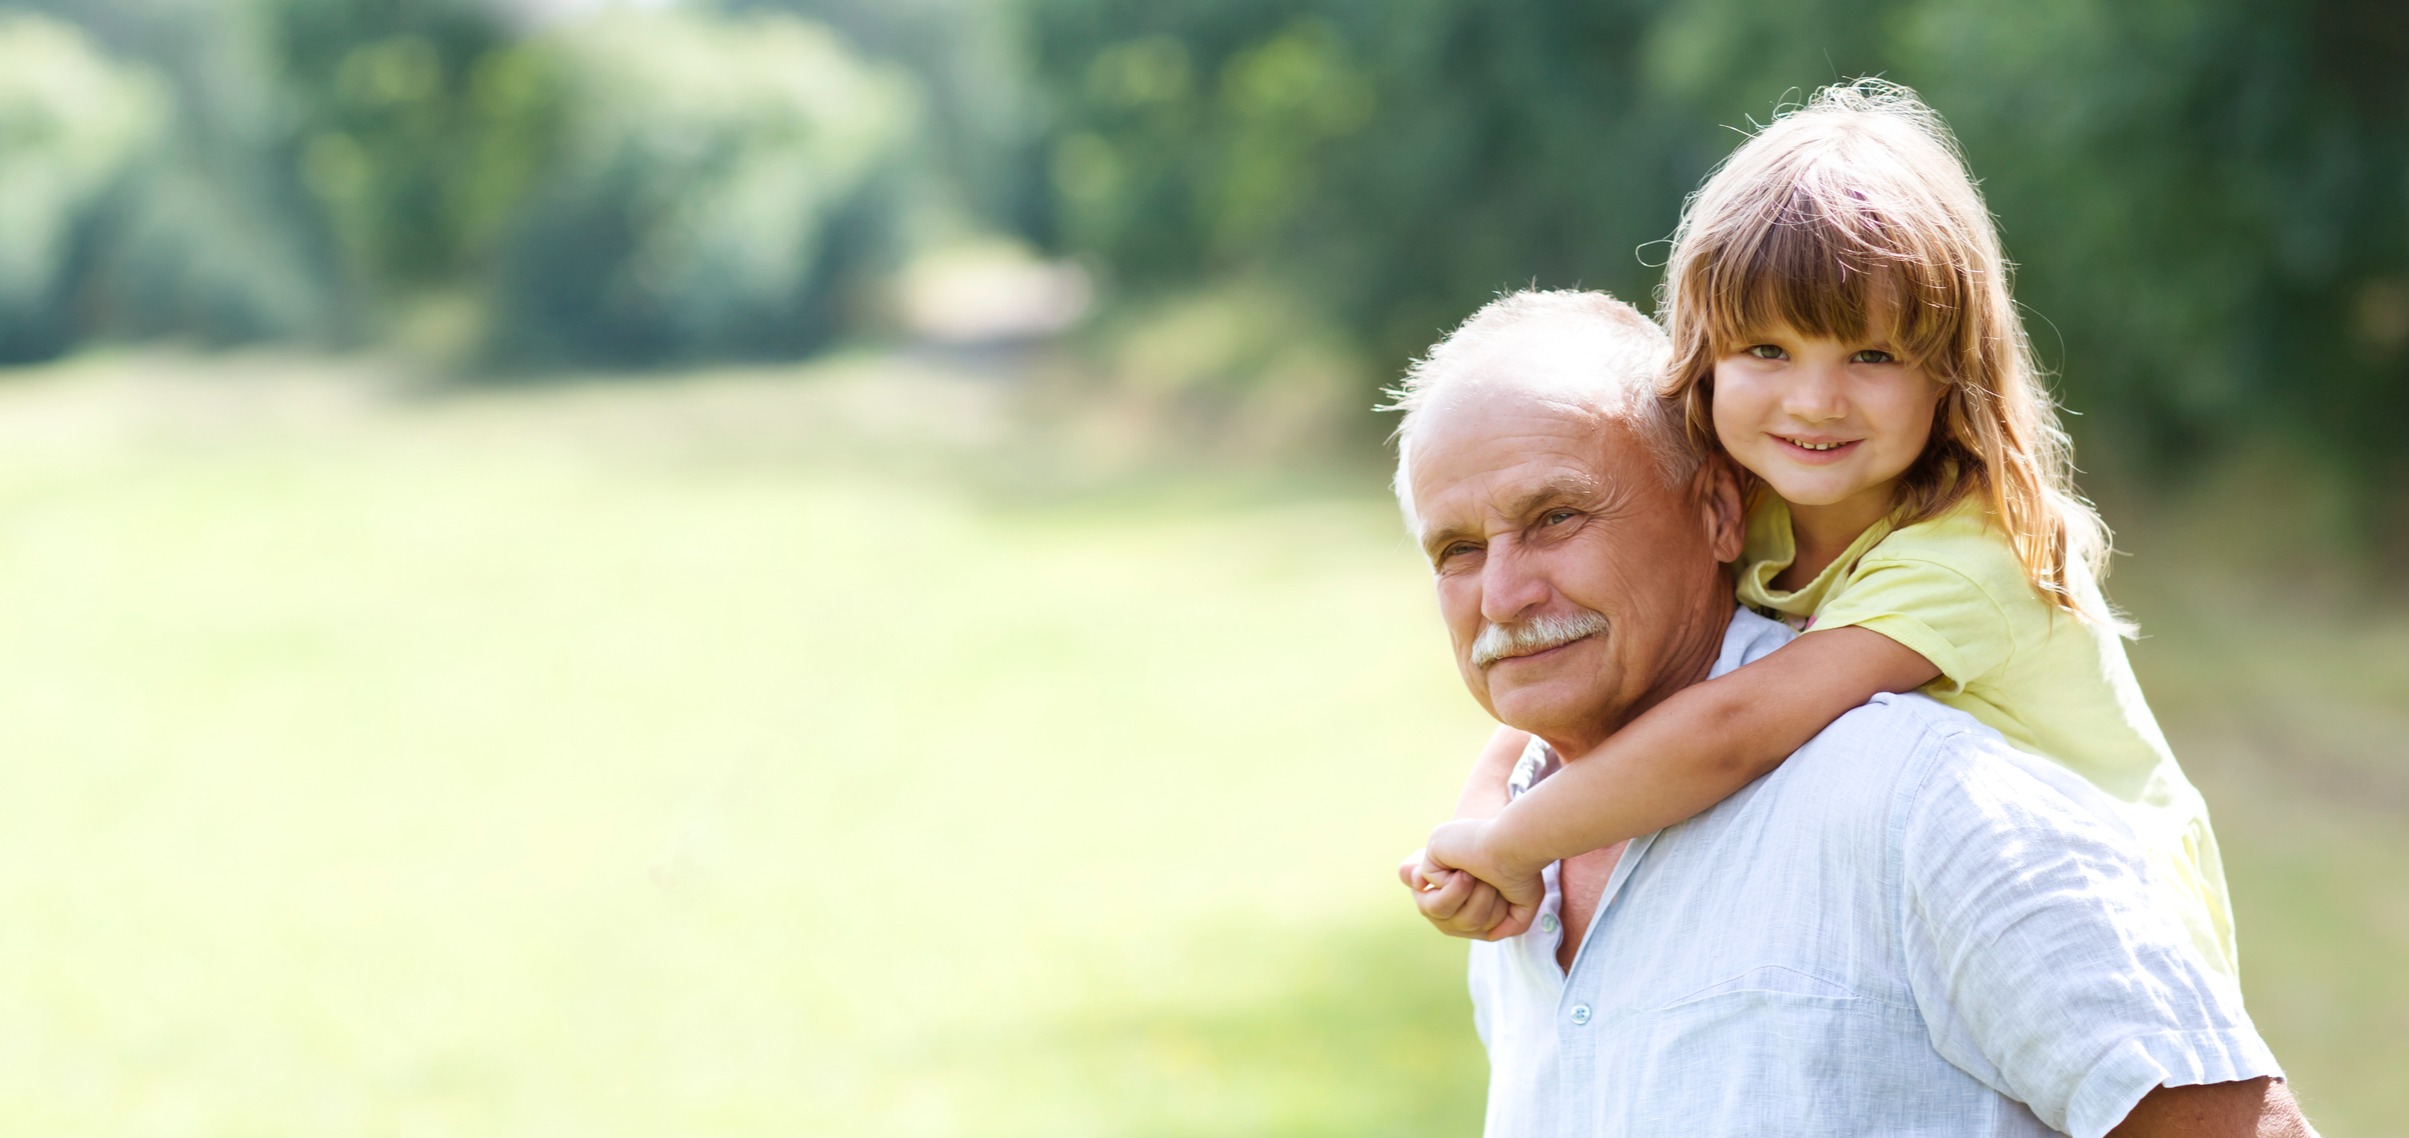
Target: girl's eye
1872, 356
1766, 352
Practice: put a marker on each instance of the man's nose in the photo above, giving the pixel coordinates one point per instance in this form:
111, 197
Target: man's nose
1818, 393
1511, 586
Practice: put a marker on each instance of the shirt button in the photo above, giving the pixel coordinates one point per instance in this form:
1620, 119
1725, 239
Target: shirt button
1580, 1014
1547, 923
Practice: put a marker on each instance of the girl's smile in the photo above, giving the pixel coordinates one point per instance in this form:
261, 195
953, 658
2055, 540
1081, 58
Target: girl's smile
1816, 449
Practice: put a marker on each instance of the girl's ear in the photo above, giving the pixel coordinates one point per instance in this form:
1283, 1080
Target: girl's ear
1716, 489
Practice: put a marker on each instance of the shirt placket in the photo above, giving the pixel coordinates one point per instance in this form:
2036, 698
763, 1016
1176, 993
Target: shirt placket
1581, 1004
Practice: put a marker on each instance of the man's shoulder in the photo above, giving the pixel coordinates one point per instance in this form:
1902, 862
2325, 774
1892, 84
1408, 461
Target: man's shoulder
1911, 748
1899, 736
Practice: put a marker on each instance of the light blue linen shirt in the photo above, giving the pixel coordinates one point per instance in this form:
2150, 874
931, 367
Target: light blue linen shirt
1907, 928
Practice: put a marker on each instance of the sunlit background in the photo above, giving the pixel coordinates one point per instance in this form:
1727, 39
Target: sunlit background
820, 567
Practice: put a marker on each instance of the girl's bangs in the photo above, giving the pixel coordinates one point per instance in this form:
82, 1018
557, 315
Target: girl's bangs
1837, 270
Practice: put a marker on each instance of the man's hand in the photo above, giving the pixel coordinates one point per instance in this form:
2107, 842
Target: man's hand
1456, 902
1463, 844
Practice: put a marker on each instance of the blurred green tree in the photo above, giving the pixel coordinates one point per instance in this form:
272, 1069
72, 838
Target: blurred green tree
2211, 202
2209, 198
395, 106
205, 234
1395, 164
977, 159
72, 124
713, 184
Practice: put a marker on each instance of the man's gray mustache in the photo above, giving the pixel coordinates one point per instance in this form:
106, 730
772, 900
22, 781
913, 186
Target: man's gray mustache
1538, 634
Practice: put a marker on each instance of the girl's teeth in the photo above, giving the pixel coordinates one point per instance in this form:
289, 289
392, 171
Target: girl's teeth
1812, 446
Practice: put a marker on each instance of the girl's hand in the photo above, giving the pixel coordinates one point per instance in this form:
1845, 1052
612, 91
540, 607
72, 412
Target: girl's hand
1464, 844
1457, 903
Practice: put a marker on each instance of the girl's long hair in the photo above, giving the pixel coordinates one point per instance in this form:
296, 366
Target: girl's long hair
1853, 217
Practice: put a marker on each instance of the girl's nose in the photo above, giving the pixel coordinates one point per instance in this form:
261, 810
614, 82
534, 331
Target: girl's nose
1816, 395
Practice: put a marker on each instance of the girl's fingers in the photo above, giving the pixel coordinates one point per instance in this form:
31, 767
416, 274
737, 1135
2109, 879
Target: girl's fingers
1421, 874
1441, 905
1480, 913
1517, 921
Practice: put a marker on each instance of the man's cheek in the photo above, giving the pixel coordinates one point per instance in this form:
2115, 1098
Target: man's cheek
1459, 608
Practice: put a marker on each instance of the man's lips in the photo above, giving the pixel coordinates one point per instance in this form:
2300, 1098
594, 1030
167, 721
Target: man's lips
1540, 653
1815, 451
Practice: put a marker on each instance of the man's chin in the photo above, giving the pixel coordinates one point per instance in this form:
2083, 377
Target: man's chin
1546, 690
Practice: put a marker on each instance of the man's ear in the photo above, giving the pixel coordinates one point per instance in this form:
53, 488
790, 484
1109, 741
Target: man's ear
1716, 489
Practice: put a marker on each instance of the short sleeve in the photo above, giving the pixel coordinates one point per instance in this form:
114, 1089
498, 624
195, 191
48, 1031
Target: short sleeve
1932, 608
2037, 957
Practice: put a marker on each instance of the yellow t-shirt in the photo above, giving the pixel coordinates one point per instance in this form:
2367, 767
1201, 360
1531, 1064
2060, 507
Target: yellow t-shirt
2054, 684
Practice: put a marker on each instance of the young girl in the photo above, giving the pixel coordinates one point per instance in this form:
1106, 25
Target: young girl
1842, 329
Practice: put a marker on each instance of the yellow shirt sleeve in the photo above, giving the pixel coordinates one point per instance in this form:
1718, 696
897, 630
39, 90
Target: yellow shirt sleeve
1932, 608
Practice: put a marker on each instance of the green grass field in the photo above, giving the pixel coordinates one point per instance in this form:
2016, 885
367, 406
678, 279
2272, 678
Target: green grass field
745, 757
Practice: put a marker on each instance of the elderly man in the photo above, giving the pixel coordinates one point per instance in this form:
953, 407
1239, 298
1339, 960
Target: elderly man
1907, 928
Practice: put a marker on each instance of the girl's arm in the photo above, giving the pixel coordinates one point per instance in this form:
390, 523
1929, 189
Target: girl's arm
1683, 755
1485, 791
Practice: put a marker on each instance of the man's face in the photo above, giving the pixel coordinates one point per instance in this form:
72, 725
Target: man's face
1577, 586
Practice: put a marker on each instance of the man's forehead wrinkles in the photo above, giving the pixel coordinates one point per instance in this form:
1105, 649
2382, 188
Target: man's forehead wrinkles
1486, 465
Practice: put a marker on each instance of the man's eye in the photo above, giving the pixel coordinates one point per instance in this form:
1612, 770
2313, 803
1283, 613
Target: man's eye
1459, 549
1557, 517
1872, 356
1766, 352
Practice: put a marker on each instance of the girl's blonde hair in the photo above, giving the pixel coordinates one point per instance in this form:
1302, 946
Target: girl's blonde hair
1853, 209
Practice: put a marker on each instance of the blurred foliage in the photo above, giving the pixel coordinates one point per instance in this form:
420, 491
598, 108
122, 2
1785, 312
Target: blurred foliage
712, 183
71, 123
621, 189
1397, 165
146, 195
979, 155
396, 108
2209, 197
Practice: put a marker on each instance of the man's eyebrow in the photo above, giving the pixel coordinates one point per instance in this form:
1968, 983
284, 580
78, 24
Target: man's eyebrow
1435, 540
1564, 488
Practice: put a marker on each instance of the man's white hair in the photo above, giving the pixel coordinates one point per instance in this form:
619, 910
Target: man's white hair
1583, 347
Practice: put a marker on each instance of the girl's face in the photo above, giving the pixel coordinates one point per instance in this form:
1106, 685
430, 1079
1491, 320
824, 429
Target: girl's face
1828, 424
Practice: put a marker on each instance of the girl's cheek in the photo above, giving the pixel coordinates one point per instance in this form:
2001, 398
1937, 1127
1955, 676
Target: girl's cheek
1724, 408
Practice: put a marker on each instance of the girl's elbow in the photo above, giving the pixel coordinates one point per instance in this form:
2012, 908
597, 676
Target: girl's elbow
1749, 751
